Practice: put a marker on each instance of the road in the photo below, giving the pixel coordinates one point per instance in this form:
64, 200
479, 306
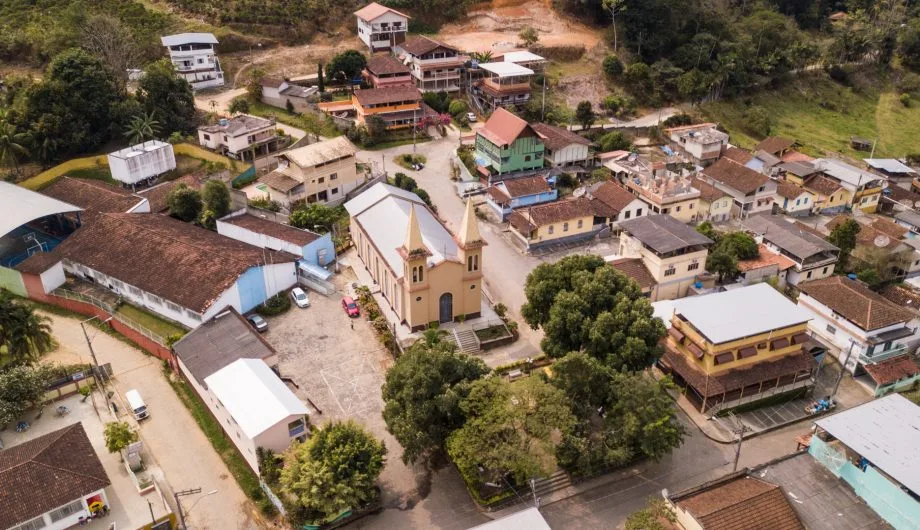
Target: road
170, 433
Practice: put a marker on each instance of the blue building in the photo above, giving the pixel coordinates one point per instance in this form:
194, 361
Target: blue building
510, 195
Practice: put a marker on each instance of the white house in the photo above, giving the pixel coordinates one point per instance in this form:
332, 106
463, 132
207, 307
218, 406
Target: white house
195, 60
278, 92
751, 191
621, 204
702, 142
231, 368
869, 333
142, 163
381, 27
794, 199
242, 137
562, 147
814, 257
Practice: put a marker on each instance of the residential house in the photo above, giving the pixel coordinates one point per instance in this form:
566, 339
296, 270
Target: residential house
715, 204
141, 164
663, 190
524, 58
512, 194
764, 162
381, 27
703, 142
891, 168
52, 482
425, 273
152, 260
793, 199
796, 172
752, 192
556, 222
435, 67
737, 155
744, 343
864, 187
323, 172
384, 71
830, 196
248, 226
507, 144
880, 238
896, 199
873, 449
503, 85
242, 137
278, 92
233, 370
869, 334
195, 59
767, 265
910, 220
673, 252
95, 196
777, 146
814, 257
562, 147
620, 202
400, 107
635, 269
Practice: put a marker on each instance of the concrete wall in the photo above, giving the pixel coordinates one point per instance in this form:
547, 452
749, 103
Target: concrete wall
11, 280
336, 180
571, 154
277, 437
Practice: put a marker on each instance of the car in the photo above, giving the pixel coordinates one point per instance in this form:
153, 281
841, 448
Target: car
471, 117
258, 322
350, 307
300, 298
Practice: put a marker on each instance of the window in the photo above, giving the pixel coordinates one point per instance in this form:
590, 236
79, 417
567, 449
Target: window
154, 298
174, 307
333, 176
797, 201
414, 274
690, 207
638, 212
207, 136
476, 262
671, 271
34, 524
824, 271
66, 511
320, 180
565, 227
693, 267
580, 223
335, 191
677, 209
296, 428
626, 215
808, 275
526, 158
135, 291
550, 229
804, 200
831, 329
760, 189
665, 210
421, 273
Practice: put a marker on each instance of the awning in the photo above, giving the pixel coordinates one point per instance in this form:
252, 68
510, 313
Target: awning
314, 271
800, 338
696, 350
750, 351
674, 332
894, 334
726, 357
779, 343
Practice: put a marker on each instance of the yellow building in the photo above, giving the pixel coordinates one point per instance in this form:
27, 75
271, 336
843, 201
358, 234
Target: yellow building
323, 172
736, 346
715, 205
830, 196
674, 253
555, 222
425, 273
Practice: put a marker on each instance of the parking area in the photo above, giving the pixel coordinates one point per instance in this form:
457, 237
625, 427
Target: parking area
339, 366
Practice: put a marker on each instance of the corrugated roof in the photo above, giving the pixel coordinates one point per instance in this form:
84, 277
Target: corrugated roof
188, 38
521, 56
889, 165
528, 519
908, 216
504, 69
845, 173
321, 152
20, 205
664, 233
787, 236
238, 125
885, 431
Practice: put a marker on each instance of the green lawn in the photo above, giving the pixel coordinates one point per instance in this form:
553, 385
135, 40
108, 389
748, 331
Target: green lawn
309, 122
150, 321
822, 116
96, 173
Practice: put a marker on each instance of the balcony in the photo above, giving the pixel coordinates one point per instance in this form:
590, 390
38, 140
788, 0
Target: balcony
880, 356
504, 88
455, 60
430, 76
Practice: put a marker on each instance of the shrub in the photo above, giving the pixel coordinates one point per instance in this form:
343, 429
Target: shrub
265, 203
678, 120
275, 305
457, 107
118, 436
614, 141
613, 67
758, 120
905, 100
837, 73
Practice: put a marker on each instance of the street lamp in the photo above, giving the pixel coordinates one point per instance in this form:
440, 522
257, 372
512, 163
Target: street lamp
184, 493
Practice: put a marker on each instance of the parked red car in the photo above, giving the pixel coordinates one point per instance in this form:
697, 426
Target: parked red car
350, 307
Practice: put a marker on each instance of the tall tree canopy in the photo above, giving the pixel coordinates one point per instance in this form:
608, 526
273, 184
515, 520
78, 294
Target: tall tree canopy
24, 334
167, 96
422, 395
583, 304
346, 66
844, 237
20, 388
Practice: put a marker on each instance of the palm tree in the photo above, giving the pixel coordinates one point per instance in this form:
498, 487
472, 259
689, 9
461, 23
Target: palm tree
24, 335
142, 127
12, 146
481, 57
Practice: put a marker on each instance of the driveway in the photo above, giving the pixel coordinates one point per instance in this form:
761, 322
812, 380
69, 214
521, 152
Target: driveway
170, 433
339, 366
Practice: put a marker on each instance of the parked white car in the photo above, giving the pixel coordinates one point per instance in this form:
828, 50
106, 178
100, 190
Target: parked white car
300, 297
471, 117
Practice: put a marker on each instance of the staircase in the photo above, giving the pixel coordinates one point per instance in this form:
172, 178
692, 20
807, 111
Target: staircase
466, 340
542, 487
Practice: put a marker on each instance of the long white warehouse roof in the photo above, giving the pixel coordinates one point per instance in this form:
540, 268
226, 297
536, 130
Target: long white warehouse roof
20, 205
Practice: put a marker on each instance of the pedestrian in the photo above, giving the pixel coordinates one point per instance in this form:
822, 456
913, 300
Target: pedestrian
352, 322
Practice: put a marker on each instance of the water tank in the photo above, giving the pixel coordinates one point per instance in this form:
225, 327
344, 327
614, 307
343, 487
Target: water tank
698, 285
851, 276
223, 122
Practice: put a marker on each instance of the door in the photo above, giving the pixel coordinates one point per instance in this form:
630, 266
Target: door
446, 304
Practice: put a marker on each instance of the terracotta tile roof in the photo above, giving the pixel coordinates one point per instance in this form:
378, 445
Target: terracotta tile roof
708, 192
373, 10
47, 472
386, 64
503, 128
790, 190
521, 223
853, 300
766, 258
38, 263
795, 156
614, 196
902, 296
738, 155
821, 185
736, 176
498, 195
635, 268
156, 195
177, 261
272, 229
774, 144
889, 227
556, 212
526, 186
870, 235
742, 503
390, 94
93, 196
899, 194
556, 137
715, 385
280, 181
421, 45
892, 370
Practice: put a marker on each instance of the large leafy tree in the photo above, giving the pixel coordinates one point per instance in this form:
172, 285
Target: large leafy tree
215, 200
422, 395
738, 244
583, 304
169, 96
12, 146
20, 388
346, 66
184, 203
24, 335
317, 217
844, 237
510, 429
334, 470
723, 263
119, 435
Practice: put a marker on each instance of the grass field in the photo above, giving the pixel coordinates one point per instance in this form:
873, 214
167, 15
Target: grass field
152, 322
307, 121
822, 115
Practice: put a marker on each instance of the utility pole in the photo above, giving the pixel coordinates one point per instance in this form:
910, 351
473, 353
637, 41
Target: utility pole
414, 129
183, 493
533, 489
739, 432
843, 369
96, 370
872, 154
543, 105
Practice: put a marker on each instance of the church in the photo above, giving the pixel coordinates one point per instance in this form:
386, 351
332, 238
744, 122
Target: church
427, 274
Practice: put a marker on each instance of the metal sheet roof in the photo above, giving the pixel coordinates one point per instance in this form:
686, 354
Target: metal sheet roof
908, 216
523, 56
664, 233
20, 205
884, 431
785, 235
889, 165
188, 38
529, 519
505, 69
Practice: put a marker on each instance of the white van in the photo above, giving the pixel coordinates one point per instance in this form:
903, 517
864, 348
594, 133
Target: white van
136, 404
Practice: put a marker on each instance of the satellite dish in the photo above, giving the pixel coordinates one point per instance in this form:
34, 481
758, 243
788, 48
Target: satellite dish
882, 241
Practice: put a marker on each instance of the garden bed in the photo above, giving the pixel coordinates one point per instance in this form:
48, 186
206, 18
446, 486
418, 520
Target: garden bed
408, 160
494, 336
